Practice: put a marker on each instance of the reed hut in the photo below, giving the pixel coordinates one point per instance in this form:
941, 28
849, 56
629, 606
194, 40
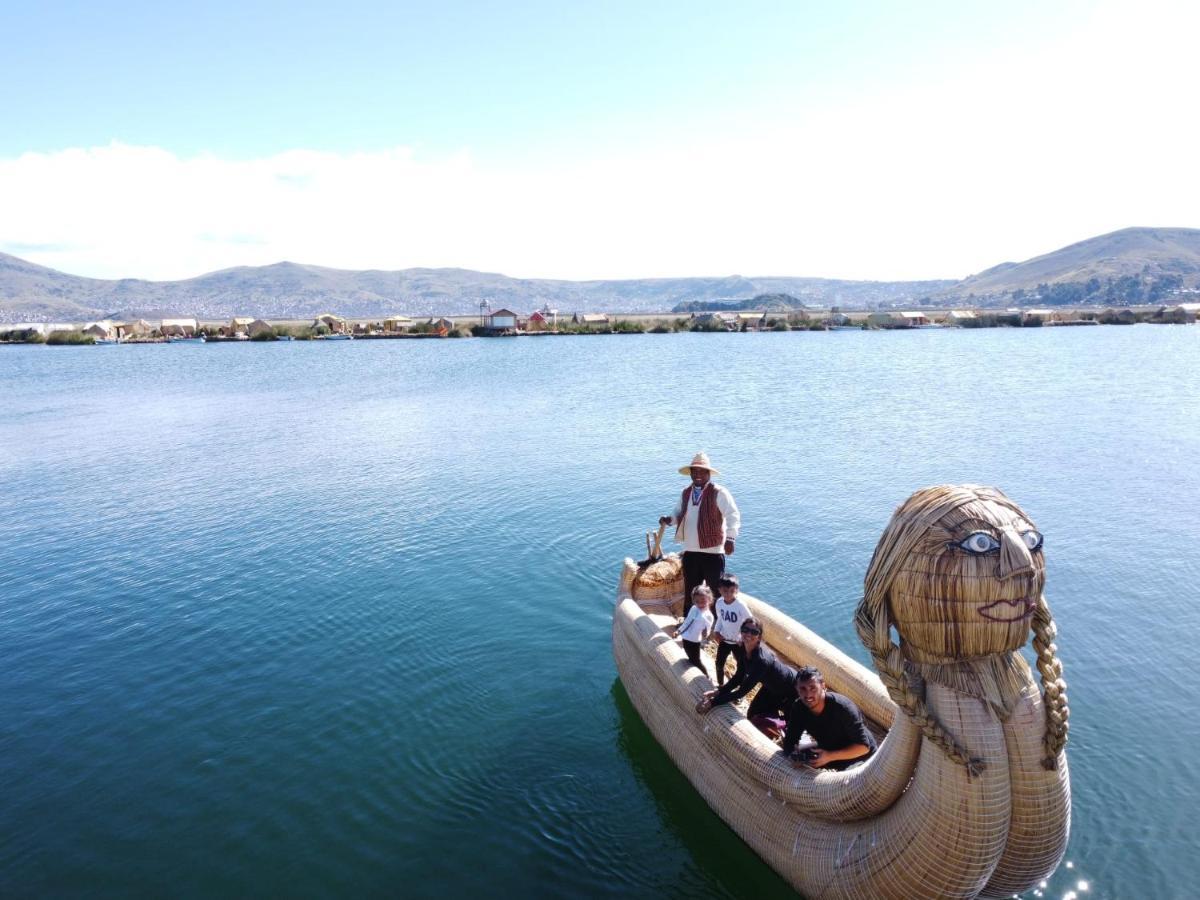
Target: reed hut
335, 324
240, 324
1178, 315
750, 321
104, 330
1039, 316
178, 327
591, 320
135, 329
881, 319
35, 327
259, 326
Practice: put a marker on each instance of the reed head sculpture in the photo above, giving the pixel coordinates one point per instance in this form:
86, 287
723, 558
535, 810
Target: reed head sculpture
959, 574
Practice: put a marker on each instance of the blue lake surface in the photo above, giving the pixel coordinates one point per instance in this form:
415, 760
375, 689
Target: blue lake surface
333, 618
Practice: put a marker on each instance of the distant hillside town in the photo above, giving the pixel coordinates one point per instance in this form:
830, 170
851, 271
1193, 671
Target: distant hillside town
1128, 268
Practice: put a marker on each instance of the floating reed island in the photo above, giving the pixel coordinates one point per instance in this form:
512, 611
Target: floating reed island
968, 794
547, 322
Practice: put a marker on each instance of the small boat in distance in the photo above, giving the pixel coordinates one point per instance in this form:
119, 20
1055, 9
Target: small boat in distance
338, 337
185, 339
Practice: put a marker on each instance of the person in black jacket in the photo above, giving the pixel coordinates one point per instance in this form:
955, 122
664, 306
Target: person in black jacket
830, 719
758, 667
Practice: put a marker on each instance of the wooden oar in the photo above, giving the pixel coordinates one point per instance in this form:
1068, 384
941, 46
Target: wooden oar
653, 547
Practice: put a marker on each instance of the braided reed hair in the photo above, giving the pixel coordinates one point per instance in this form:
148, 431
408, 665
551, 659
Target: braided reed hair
908, 525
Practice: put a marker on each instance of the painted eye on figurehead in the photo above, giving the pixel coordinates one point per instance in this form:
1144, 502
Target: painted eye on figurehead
1033, 539
979, 542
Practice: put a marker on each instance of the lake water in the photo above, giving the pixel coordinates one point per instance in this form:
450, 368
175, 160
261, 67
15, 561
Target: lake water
333, 618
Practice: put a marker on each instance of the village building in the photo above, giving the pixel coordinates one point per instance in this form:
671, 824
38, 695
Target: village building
958, 316
397, 323
335, 324
104, 330
591, 320
538, 321
1182, 314
135, 329
501, 321
35, 327
893, 319
240, 324
442, 326
710, 318
259, 326
750, 321
1044, 316
182, 327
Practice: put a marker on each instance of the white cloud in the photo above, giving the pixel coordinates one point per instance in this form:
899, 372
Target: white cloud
1025, 150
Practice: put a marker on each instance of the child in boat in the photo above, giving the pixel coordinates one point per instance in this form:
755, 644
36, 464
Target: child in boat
729, 612
697, 626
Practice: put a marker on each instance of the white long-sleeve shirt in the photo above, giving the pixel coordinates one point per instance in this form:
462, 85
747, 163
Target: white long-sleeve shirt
697, 625
691, 528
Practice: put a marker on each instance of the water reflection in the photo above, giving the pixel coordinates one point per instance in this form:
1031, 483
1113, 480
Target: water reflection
719, 863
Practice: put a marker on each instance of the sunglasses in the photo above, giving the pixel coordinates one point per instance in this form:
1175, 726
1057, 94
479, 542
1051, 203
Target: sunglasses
751, 631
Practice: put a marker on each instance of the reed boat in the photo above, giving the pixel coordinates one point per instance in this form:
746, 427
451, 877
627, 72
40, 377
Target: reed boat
968, 794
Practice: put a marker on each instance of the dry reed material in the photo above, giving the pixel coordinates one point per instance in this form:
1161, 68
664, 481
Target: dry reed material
658, 587
962, 616
915, 820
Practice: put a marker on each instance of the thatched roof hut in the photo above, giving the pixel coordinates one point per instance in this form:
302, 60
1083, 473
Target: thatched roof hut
136, 328
179, 326
104, 329
335, 324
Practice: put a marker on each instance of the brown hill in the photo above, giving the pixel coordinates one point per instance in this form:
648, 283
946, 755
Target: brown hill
289, 290
1130, 252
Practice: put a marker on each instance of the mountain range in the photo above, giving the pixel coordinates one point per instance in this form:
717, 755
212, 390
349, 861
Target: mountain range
287, 290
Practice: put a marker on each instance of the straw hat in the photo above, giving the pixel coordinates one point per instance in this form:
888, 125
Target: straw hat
699, 461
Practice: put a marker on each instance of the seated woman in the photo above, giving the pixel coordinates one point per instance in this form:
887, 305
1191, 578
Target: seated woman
756, 665
833, 721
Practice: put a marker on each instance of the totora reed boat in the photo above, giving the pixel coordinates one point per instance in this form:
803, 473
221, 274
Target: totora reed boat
968, 794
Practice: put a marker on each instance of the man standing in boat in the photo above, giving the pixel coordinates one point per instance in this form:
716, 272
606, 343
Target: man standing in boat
707, 522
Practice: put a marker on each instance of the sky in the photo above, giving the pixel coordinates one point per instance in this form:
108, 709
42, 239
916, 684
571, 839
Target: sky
863, 140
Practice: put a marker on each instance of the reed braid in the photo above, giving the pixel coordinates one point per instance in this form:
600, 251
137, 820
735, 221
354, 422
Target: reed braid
1054, 689
890, 665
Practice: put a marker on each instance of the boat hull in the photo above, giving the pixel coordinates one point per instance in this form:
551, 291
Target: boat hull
908, 823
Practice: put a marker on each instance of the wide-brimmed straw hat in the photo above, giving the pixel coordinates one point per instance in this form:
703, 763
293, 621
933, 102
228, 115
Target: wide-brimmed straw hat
699, 461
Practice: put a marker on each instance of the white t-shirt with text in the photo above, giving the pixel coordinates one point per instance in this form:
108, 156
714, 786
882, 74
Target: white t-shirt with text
729, 618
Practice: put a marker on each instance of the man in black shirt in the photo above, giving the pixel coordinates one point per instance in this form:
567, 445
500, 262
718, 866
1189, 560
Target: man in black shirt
833, 721
756, 665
